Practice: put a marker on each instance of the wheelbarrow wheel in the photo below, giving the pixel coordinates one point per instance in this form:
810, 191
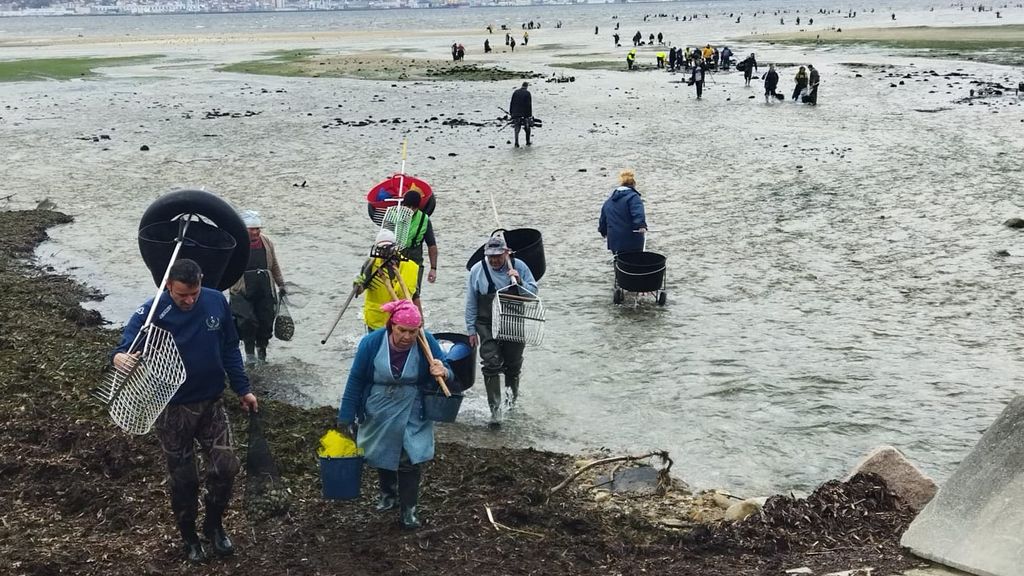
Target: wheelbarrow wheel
662, 298
617, 296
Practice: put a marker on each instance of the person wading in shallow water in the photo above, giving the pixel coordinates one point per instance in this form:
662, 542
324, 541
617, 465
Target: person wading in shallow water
377, 294
422, 233
520, 108
497, 357
200, 321
253, 303
812, 84
383, 396
801, 82
771, 81
623, 220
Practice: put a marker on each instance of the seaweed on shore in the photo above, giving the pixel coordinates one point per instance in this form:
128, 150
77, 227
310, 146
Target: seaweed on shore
81, 497
838, 515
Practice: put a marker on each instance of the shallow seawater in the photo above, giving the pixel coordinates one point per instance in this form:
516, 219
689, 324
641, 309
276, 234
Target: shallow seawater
833, 277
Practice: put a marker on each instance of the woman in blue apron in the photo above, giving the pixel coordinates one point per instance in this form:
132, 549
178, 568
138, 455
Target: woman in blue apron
383, 395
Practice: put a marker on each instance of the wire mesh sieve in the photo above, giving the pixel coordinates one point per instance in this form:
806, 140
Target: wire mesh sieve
135, 397
398, 219
517, 318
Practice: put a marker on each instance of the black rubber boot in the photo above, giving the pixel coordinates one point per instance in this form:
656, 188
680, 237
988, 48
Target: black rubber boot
408, 495
213, 529
511, 391
493, 386
250, 353
261, 355
388, 497
194, 550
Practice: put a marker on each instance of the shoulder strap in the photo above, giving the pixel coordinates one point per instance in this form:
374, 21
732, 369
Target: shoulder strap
491, 289
421, 227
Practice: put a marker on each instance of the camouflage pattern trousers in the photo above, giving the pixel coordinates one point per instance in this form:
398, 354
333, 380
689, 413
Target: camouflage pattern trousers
180, 428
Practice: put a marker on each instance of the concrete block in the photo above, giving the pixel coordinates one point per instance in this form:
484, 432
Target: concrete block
976, 521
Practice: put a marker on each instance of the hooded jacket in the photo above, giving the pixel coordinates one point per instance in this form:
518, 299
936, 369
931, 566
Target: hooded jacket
622, 213
521, 104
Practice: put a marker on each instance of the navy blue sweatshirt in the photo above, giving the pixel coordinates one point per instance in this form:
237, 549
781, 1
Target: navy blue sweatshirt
207, 341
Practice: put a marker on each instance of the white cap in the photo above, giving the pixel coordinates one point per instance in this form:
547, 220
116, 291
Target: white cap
385, 236
251, 219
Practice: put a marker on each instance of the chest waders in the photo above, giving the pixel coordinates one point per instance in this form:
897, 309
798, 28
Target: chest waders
496, 356
178, 429
255, 308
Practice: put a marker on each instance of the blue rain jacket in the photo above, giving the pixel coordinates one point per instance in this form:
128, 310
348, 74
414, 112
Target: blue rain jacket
207, 342
622, 213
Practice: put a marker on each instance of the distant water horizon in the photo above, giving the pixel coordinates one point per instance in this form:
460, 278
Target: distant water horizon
571, 15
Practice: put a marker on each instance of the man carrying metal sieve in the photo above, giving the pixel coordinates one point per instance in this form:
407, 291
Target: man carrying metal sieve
200, 321
496, 271
253, 303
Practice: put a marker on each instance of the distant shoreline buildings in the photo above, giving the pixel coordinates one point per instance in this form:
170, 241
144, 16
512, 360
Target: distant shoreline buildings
143, 7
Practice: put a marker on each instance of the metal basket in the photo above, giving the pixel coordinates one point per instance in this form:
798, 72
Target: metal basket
398, 219
135, 397
517, 318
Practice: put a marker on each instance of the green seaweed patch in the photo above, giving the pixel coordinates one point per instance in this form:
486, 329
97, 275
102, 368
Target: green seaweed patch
294, 55
555, 46
63, 68
593, 65
477, 73
280, 63
579, 54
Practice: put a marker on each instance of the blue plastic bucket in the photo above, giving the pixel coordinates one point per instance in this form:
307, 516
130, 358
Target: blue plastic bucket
341, 477
462, 358
441, 408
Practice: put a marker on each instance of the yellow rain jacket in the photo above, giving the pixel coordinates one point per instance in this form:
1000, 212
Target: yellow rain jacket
377, 294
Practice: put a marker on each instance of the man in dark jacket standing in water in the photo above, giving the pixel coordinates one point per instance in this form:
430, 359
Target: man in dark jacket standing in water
521, 110
812, 84
200, 321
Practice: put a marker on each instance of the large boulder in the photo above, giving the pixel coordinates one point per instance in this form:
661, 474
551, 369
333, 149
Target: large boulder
900, 475
976, 520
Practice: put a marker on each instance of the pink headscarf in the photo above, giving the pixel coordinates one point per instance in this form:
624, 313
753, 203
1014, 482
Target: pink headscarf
403, 312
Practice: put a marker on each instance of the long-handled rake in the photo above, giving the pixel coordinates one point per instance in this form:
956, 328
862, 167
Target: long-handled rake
389, 256
424, 345
138, 391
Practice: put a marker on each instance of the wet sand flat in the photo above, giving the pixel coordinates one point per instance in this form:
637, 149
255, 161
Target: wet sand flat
1007, 36
241, 38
